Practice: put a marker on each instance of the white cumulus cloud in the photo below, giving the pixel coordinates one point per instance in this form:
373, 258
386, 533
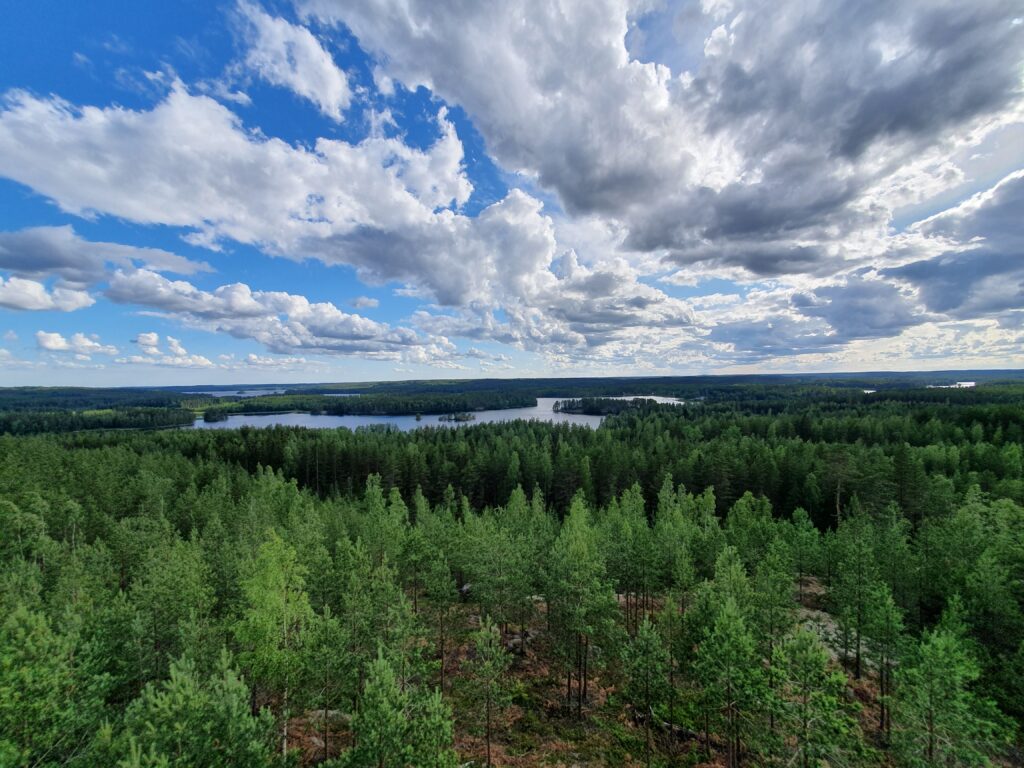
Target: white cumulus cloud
19, 293
80, 344
288, 55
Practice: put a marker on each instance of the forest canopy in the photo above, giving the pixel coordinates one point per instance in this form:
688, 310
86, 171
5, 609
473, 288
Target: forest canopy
766, 574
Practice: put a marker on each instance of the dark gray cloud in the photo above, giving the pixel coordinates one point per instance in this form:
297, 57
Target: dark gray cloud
964, 61
994, 216
985, 274
860, 308
42, 252
961, 284
777, 336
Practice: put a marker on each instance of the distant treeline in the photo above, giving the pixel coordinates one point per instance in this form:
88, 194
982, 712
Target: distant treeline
601, 406
814, 455
687, 387
30, 410
84, 398
373, 405
32, 422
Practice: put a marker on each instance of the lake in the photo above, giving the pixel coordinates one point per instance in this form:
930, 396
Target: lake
543, 411
236, 392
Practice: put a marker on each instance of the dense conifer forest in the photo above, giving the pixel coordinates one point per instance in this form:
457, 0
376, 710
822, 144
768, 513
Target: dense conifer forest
775, 573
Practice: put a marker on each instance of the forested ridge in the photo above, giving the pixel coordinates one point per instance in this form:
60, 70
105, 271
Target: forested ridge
373, 404
787, 576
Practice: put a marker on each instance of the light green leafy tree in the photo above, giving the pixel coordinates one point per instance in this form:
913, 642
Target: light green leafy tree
272, 628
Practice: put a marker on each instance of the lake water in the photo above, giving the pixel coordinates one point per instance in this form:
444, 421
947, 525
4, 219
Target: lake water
543, 411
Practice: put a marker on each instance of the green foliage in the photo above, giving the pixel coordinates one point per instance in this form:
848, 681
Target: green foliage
646, 671
50, 704
486, 679
396, 727
271, 631
380, 725
804, 542
856, 576
939, 719
188, 720
816, 727
582, 608
171, 594
732, 679
343, 571
884, 634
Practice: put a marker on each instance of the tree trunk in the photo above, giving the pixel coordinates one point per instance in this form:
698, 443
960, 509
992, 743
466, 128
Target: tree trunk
586, 658
488, 728
442, 639
284, 730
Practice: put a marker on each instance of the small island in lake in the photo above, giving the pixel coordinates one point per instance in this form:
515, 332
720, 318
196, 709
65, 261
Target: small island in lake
457, 417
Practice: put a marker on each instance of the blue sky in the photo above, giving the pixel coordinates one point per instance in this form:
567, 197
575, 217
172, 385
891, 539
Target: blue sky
326, 191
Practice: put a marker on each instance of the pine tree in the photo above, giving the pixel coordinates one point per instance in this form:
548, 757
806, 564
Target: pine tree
938, 719
431, 732
383, 525
488, 690
992, 607
773, 607
672, 630
441, 597
172, 593
646, 669
642, 564
816, 728
415, 554
49, 703
397, 727
328, 663
187, 720
804, 545
884, 633
582, 607
749, 528
380, 725
731, 677
856, 575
